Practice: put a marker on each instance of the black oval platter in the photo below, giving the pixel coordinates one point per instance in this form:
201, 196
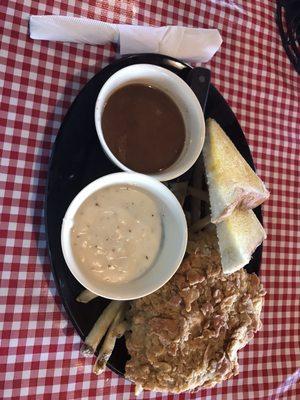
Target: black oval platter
77, 159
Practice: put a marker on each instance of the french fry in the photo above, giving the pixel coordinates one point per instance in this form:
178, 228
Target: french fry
179, 189
198, 193
99, 329
86, 296
200, 224
138, 389
116, 330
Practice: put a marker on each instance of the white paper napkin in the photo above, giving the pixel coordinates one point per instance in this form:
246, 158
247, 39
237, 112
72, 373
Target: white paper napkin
192, 44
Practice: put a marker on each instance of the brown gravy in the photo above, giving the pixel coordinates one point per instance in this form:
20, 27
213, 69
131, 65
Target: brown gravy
143, 128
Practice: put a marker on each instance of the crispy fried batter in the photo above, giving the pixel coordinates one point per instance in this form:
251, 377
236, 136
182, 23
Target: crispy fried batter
187, 334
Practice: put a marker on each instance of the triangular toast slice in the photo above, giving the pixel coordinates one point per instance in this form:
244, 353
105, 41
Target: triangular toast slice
231, 181
239, 235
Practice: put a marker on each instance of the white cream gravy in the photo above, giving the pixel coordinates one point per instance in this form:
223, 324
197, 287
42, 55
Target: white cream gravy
116, 234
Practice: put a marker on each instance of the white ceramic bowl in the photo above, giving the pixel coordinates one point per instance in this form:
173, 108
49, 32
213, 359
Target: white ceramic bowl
172, 248
181, 94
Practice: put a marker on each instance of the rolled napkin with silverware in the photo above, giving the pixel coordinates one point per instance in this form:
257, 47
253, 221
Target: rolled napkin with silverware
191, 44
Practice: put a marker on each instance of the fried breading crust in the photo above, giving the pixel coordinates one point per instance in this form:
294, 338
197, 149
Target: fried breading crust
186, 335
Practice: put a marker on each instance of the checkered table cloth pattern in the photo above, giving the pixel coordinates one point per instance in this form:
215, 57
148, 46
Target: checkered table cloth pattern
39, 351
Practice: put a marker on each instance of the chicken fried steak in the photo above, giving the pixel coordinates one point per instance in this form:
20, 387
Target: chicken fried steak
187, 334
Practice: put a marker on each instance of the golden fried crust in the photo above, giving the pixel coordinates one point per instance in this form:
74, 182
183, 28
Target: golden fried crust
187, 334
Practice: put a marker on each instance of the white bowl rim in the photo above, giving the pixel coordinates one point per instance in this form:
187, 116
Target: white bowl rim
111, 180
168, 173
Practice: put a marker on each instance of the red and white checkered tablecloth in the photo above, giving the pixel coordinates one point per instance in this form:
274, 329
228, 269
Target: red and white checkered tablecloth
39, 351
